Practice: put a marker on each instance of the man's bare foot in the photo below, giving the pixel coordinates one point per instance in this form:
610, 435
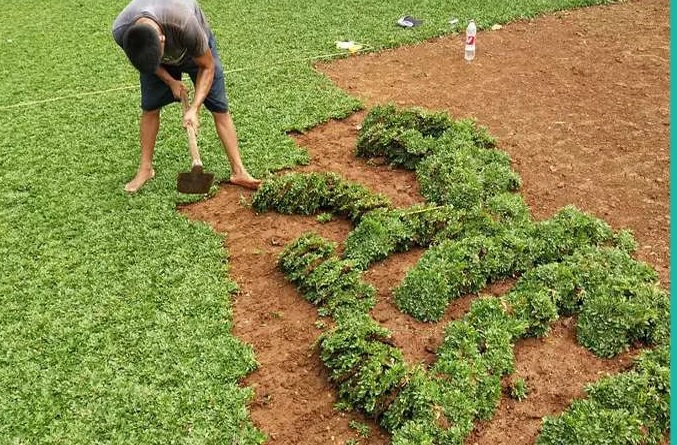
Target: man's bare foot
142, 176
245, 181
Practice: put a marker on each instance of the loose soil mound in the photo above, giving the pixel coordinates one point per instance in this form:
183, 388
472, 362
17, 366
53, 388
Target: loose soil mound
578, 99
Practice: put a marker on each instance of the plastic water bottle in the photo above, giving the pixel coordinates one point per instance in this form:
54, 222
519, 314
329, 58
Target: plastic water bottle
470, 37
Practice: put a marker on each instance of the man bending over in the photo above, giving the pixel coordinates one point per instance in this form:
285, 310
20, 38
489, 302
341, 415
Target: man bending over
163, 39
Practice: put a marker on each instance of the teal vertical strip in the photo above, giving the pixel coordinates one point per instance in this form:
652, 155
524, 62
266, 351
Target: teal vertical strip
673, 242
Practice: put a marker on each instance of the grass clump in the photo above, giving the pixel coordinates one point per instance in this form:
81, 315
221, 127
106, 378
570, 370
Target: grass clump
429, 410
361, 428
324, 218
629, 408
466, 177
404, 137
617, 299
568, 230
455, 160
295, 193
385, 231
445, 271
301, 256
363, 364
536, 306
455, 267
623, 302
354, 200
312, 193
518, 389
458, 266
379, 234
325, 280
509, 209
464, 385
337, 286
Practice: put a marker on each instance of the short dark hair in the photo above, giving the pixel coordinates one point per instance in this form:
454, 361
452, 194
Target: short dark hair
141, 43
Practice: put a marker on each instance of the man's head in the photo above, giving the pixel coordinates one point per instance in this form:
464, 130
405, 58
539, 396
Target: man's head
143, 46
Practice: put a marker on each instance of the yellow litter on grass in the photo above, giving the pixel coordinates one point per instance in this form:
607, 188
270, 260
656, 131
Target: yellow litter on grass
349, 45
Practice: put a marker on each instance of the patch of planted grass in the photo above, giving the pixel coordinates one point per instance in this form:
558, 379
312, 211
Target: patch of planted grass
570, 264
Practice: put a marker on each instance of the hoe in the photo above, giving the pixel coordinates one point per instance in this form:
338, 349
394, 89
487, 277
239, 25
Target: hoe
196, 181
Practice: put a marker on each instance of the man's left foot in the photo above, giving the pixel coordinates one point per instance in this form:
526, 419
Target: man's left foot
142, 176
245, 181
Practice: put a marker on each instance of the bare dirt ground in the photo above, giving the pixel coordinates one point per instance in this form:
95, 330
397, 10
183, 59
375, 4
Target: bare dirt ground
579, 99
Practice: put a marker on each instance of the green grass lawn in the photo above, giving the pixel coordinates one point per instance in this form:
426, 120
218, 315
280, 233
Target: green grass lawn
115, 310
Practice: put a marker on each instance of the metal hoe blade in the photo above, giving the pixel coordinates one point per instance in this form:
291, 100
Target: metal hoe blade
195, 182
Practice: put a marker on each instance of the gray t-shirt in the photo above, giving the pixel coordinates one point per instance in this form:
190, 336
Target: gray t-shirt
182, 21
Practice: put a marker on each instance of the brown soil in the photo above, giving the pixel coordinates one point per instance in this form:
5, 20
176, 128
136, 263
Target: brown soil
578, 99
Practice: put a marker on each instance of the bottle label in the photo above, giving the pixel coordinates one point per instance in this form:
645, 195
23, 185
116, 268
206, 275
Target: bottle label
470, 40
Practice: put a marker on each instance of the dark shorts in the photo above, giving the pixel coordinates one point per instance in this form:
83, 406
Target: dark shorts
156, 94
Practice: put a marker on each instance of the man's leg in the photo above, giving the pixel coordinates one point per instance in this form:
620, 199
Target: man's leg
225, 128
155, 94
148, 129
217, 103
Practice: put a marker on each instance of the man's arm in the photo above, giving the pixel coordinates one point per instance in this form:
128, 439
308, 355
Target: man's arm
176, 86
203, 83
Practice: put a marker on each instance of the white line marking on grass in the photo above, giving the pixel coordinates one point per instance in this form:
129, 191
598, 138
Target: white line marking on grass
129, 87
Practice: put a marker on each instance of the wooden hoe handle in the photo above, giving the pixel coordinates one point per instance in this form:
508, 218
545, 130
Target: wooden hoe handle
192, 137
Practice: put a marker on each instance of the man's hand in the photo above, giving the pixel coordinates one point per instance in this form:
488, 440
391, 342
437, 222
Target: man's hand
177, 88
190, 119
